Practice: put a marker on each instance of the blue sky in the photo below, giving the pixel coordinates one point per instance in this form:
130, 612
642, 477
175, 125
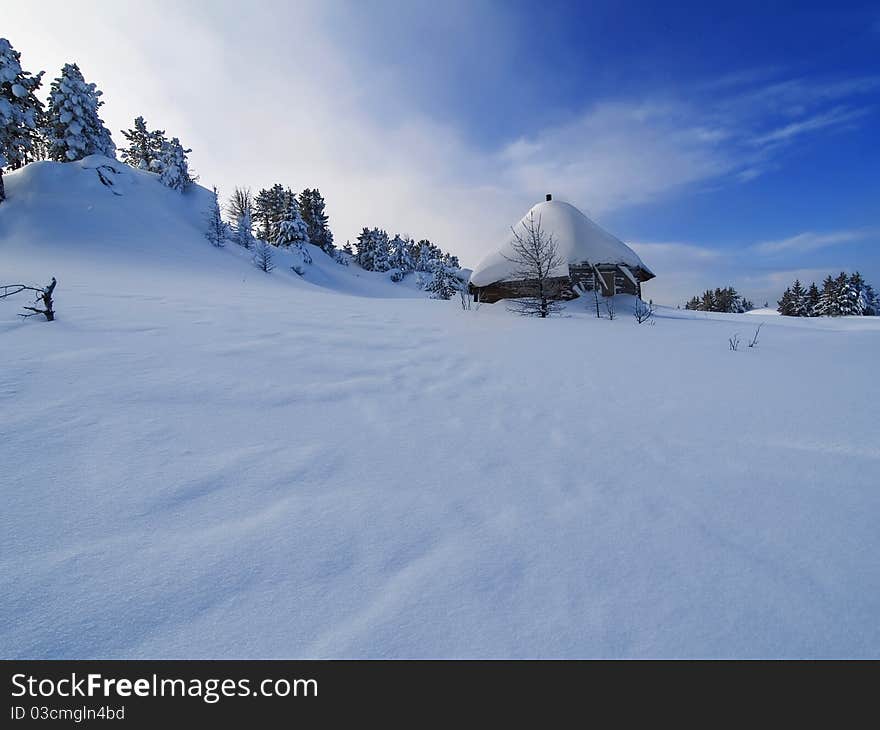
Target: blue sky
729, 145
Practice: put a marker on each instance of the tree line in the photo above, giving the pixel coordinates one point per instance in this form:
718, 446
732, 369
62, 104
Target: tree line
725, 300
840, 296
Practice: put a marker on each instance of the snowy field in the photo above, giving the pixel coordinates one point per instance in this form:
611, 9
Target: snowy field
202, 460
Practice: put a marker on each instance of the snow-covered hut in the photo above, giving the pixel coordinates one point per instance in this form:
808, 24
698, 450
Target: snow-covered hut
592, 258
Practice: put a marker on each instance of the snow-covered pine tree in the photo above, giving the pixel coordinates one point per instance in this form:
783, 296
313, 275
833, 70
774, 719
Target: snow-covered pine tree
813, 300
872, 301
216, 232
828, 305
443, 284
364, 255
312, 205
72, 126
451, 261
263, 256
347, 248
293, 233
270, 207
144, 149
173, 166
785, 304
381, 251
372, 250
244, 233
428, 254
848, 301
20, 111
292, 229
707, 301
860, 288
799, 300
400, 257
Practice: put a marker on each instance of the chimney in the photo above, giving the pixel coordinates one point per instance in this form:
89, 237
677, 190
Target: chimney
549, 197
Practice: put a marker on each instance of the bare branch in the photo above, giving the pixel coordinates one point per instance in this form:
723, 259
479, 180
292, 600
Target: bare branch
754, 340
44, 295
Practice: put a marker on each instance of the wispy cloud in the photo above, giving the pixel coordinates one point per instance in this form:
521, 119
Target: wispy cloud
837, 117
810, 241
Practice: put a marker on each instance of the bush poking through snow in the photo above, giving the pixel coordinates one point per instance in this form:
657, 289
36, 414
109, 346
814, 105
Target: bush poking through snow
733, 342
609, 307
754, 341
44, 297
643, 312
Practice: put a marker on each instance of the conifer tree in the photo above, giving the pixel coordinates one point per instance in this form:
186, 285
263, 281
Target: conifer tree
848, 303
860, 295
428, 253
813, 300
244, 235
311, 204
799, 300
707, 301
216, 232
173, 166
72, 126
872, 301
443, 283
400, 256
263, 256
145, 147
828, 306
270, 207
785, 304
20, 112
292, 229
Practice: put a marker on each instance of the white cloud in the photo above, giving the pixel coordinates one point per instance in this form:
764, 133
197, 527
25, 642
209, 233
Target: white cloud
837, 117
810, 241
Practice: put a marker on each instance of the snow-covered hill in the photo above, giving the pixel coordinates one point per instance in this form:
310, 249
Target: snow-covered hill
201, 460
98, 218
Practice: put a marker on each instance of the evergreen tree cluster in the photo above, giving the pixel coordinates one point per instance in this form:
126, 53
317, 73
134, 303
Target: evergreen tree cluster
375, 250
285, 219
68, 126
840, 296
725, 300
150, 150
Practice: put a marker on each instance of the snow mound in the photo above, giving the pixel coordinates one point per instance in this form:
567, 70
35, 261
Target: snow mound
578, 239
120, 221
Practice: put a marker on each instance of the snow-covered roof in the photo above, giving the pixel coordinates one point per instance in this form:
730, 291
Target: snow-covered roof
578, 240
